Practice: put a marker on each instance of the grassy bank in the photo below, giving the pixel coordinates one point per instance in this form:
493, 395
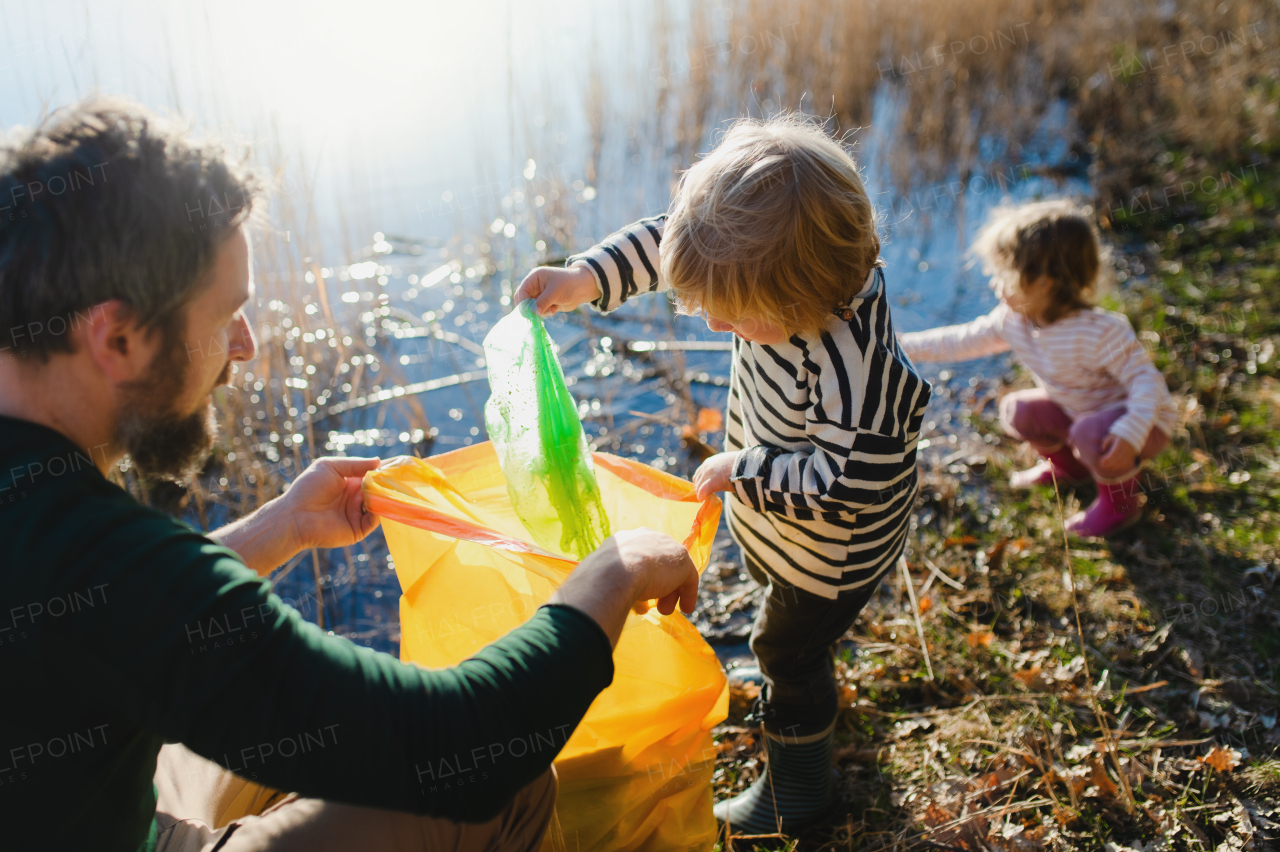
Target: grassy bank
1091, 693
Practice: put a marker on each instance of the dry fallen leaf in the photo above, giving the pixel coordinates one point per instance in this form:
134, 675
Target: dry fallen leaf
697, 448
980, 638
1020, 544
962, 540
1222, 759
995, 556
1030, 678
709, 420
1099, 778
1076, 778
734, 742
1065, 816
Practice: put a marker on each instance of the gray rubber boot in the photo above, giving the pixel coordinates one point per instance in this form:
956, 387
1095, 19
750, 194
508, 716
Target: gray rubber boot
795, 789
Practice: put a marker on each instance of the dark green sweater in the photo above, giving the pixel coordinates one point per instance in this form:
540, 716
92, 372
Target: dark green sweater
122, 629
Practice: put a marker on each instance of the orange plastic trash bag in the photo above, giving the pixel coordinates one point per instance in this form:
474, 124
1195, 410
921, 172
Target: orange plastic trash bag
636, 773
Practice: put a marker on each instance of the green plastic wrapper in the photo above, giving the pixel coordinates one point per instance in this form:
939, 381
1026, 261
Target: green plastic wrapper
533, 423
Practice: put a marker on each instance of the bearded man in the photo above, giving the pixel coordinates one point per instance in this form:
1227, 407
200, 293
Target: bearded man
124, 278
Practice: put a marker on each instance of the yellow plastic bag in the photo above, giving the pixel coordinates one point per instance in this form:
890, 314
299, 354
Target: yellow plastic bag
636, 774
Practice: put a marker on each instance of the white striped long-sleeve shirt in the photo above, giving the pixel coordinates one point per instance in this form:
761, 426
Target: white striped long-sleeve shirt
827, 425
1087, 361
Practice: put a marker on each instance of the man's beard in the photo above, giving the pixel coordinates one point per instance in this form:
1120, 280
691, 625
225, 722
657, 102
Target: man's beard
161, 442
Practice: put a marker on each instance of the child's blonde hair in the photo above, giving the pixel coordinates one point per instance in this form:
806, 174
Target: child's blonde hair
1056, 239
774, 224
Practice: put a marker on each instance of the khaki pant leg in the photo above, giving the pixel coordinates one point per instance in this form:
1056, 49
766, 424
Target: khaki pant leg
311, 825
203, 807
193, 788
197, 798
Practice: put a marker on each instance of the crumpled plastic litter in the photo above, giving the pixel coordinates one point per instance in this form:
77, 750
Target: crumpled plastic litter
533, 423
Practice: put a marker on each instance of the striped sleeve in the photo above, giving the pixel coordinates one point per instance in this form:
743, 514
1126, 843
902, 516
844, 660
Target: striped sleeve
981, 337
1122, 357
863, 424
625, 263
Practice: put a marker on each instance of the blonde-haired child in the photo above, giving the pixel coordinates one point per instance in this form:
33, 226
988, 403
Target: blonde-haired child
772, 236
1100, 406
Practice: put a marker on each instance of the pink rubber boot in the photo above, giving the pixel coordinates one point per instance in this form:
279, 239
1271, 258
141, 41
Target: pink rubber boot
1118, 506
1061, 462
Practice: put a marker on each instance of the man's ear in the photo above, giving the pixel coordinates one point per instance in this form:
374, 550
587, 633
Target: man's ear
121, 349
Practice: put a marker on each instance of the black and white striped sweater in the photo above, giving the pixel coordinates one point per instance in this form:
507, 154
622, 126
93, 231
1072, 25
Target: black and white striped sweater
827, 425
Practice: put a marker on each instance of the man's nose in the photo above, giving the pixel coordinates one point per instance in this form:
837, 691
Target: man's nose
242, 344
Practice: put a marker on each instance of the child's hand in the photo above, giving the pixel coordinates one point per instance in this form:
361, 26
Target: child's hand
558, 289
713, 474
1118, 456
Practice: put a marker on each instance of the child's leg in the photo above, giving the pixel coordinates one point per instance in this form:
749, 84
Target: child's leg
1088, 432
1031, 416
1118, 504
793, 639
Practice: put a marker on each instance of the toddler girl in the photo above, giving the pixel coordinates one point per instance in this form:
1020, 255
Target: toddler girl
1100, 406
772, 237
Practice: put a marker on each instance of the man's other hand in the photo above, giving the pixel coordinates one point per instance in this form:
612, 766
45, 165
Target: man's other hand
325, 505
629, 569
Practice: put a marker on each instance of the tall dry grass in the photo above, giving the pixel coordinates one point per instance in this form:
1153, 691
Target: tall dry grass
1138, 77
